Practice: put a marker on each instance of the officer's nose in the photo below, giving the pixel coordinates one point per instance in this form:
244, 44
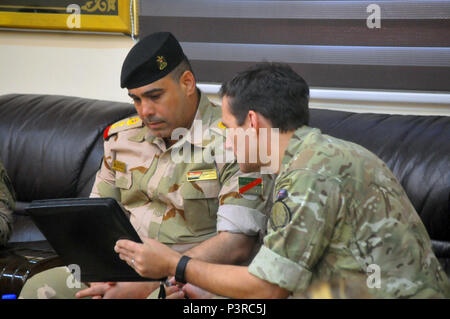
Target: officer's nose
147, 109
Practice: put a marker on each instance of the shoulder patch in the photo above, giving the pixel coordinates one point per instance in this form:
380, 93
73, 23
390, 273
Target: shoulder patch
122, 125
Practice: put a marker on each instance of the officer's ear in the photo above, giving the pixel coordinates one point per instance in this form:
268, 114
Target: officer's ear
187, 82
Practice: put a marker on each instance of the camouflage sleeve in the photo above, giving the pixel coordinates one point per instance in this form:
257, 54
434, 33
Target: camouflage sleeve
105, 180
243, 209
300, 226
7, 202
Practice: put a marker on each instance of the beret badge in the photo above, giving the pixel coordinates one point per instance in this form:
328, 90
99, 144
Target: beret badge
162, 64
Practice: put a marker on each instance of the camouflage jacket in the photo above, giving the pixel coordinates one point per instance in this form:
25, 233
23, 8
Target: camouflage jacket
7, 202
179, 195
340, 214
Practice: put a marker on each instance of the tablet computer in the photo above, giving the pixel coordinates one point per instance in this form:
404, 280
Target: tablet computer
84, 231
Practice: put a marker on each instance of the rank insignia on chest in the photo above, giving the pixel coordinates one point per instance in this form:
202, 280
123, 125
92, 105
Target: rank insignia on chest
202, 175
119, 166
250, 185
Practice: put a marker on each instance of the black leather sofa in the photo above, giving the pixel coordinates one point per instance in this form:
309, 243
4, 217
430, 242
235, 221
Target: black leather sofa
51, 147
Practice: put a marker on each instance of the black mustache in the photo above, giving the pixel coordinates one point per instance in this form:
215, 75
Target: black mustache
152, 120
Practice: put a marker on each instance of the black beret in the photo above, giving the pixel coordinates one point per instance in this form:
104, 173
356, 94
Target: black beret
151, 59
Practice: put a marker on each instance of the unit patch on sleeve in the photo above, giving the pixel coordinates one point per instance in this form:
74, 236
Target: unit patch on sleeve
250, 185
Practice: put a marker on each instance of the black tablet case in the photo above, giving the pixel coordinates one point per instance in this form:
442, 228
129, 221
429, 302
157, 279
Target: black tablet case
84, 231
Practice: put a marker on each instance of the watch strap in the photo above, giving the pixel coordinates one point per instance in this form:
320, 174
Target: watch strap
181, 267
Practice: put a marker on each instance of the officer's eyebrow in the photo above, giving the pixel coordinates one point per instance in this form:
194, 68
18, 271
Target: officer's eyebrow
146, 93
152, 91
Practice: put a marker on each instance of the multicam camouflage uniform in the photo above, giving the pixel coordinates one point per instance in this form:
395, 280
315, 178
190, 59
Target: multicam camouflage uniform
339, 214
6, 206
179, 204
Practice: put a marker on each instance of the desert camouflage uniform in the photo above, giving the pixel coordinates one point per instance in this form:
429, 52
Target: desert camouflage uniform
7, 202
139, 172
340, 213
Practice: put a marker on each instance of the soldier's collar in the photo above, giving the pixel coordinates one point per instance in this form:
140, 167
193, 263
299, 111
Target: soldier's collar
144, 134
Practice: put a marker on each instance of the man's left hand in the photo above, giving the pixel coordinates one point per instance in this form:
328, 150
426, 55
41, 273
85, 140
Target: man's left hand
119, 290
150, 260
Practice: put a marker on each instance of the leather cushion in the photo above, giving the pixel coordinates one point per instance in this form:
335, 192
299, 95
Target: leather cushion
51, 145
415, 148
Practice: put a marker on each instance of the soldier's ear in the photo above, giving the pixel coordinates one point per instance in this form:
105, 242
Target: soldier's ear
187, 82
252, 117
258, 121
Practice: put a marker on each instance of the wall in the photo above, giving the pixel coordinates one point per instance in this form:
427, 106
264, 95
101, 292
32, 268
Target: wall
88, 65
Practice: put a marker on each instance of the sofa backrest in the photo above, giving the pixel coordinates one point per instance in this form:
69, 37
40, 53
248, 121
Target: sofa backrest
52, 145
415, 148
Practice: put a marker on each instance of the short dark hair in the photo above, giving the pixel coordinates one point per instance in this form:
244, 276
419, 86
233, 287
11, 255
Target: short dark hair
179, 70
272, 89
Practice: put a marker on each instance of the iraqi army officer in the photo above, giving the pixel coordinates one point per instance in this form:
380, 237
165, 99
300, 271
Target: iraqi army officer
338, 213
7, 202
175, 194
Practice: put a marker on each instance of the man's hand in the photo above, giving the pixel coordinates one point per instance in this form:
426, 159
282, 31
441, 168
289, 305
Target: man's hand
155, 260
189, 291
181, 291
119, 290
151, 259
194, 292
96, 290
174, 292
